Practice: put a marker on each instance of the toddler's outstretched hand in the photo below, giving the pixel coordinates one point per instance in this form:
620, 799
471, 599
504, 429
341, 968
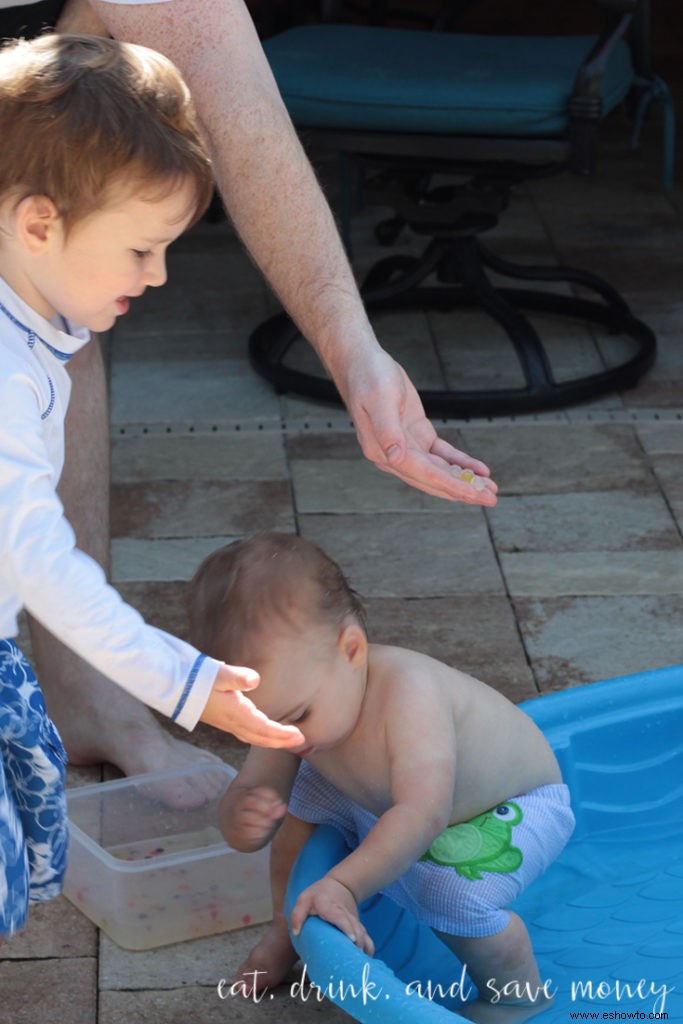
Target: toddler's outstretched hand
254, 817
228, 709
333, 902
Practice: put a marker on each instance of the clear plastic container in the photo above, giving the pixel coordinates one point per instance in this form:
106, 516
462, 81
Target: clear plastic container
150, 873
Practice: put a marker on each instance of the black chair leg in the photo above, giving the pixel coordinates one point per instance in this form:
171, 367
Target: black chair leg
460, 266
572, 275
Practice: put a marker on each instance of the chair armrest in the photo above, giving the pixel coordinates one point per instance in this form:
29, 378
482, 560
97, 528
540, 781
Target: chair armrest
585, 103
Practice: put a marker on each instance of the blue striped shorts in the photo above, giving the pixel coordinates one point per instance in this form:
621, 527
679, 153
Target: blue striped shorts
473, 871
33, 822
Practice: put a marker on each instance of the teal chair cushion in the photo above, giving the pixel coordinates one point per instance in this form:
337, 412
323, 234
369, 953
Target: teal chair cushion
383, 79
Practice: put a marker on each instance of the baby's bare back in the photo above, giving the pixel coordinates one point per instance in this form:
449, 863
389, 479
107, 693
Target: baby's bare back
498, 750
501, 752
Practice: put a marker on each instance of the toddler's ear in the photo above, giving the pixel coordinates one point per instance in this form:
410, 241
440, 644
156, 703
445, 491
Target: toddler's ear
353, 644
36, 218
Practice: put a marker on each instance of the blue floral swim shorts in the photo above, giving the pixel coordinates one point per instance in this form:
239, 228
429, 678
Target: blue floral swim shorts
33, 823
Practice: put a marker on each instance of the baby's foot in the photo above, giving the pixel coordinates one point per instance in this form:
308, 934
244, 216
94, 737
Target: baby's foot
268, 963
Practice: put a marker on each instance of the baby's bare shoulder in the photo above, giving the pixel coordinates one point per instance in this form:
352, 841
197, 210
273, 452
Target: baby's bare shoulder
399, 666
402, 679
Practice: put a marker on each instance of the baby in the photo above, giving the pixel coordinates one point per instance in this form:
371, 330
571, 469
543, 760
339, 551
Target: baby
401, 753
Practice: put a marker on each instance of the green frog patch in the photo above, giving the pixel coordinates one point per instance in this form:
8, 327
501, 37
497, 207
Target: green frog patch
482, 844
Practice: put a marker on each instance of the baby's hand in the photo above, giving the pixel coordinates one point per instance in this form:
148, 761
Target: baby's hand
333, 902
254, 818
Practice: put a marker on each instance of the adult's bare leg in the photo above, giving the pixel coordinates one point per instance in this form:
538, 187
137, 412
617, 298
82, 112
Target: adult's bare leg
98, 720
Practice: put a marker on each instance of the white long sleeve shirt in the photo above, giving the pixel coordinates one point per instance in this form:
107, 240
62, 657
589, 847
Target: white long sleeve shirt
40, 567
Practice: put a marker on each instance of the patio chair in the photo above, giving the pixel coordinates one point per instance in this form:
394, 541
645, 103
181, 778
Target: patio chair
405, 105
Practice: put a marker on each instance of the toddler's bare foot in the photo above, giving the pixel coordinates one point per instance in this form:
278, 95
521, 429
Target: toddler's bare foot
483, 1012
269, 962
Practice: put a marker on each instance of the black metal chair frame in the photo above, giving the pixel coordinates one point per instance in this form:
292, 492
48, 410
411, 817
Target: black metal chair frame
454, 217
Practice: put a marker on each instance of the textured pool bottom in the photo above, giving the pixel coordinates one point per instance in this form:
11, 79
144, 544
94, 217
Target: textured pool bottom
612, 940
606, 920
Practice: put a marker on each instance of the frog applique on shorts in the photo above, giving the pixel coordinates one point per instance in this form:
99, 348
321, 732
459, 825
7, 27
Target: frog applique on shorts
482, 844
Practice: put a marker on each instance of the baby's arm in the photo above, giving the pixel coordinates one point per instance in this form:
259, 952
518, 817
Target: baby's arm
399, 838
273, 956
255, 803
422, 754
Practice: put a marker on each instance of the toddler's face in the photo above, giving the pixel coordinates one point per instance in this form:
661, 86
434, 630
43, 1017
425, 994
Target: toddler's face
90, 275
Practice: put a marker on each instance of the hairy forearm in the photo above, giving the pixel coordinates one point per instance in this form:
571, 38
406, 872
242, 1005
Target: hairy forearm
277, 205
264, 176
280, 212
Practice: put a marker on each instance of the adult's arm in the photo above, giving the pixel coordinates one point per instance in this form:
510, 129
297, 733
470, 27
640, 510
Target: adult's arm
81, 17
278, 208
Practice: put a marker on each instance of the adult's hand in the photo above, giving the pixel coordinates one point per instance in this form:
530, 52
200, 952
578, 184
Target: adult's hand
397, 437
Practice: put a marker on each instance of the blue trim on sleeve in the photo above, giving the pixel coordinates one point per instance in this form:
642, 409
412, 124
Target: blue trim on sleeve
44, 415
188, 686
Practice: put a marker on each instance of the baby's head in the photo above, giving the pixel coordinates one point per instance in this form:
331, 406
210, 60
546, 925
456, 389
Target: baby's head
272, 584
277, 603
81, 116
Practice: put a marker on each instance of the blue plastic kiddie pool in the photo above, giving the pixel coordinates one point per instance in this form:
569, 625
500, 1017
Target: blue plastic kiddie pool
606, 920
